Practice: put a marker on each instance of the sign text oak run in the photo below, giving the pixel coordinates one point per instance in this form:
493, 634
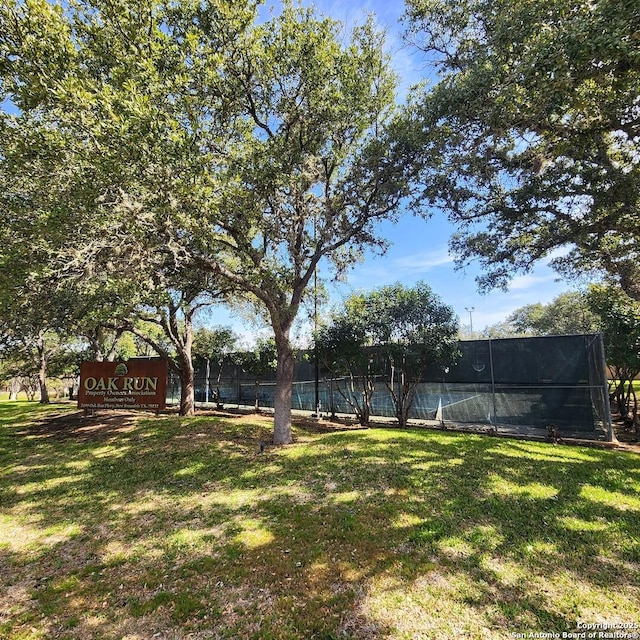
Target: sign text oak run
136, 384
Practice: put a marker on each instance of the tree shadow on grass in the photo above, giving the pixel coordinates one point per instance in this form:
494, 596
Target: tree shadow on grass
184, 527
78, 427
19, 412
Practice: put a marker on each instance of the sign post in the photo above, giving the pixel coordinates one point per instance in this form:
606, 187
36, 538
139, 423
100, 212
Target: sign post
135, 384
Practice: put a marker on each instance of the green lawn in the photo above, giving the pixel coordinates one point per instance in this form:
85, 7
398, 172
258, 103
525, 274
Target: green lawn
180, 528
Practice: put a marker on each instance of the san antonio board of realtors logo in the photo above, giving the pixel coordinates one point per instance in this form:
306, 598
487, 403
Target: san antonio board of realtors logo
122, 369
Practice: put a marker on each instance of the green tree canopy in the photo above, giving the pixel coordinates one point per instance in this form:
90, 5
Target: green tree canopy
567, 314
530, 139
620, 321
214, 343
409, 328
187, 135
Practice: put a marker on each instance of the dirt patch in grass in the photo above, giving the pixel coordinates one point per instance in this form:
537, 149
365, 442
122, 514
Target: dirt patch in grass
104, 425
626, 435
81, 427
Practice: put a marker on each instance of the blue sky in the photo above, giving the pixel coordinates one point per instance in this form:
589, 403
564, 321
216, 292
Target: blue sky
419, 248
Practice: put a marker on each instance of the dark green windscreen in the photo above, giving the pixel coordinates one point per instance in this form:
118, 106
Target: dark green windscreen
525, 385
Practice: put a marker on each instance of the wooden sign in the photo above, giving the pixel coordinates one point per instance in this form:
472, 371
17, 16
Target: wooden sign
135, 384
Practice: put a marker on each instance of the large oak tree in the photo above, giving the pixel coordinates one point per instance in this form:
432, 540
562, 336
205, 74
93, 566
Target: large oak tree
313, 173
530, 137
193, 137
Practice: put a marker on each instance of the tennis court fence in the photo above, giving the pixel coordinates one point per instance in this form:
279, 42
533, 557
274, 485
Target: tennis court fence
514, 385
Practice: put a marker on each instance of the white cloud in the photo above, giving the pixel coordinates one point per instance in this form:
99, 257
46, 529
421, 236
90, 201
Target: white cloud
482, 319
560, 252
423, 261
529, 281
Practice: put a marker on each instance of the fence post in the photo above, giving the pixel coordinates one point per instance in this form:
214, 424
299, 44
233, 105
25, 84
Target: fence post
611, 436
493, 387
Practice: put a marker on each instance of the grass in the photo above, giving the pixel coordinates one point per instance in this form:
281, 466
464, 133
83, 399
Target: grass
140, 528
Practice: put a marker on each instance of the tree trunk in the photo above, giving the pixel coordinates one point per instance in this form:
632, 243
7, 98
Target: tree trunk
627, 400
29, 385
284, 384
636, 418
620, 392
403, 400
402, 411
402, 415
410, 397
94, 336
14, 388
72, 388
42, 378
351, 398
369, 390
397, 398
365, 410
113, 351
256, 407
183, 342
219, 402
44, 392
187, 387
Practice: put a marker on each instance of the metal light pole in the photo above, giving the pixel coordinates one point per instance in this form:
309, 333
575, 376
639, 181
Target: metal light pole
470, 310
316, 368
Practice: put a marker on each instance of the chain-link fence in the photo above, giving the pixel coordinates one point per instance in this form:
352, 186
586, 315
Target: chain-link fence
517, 385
